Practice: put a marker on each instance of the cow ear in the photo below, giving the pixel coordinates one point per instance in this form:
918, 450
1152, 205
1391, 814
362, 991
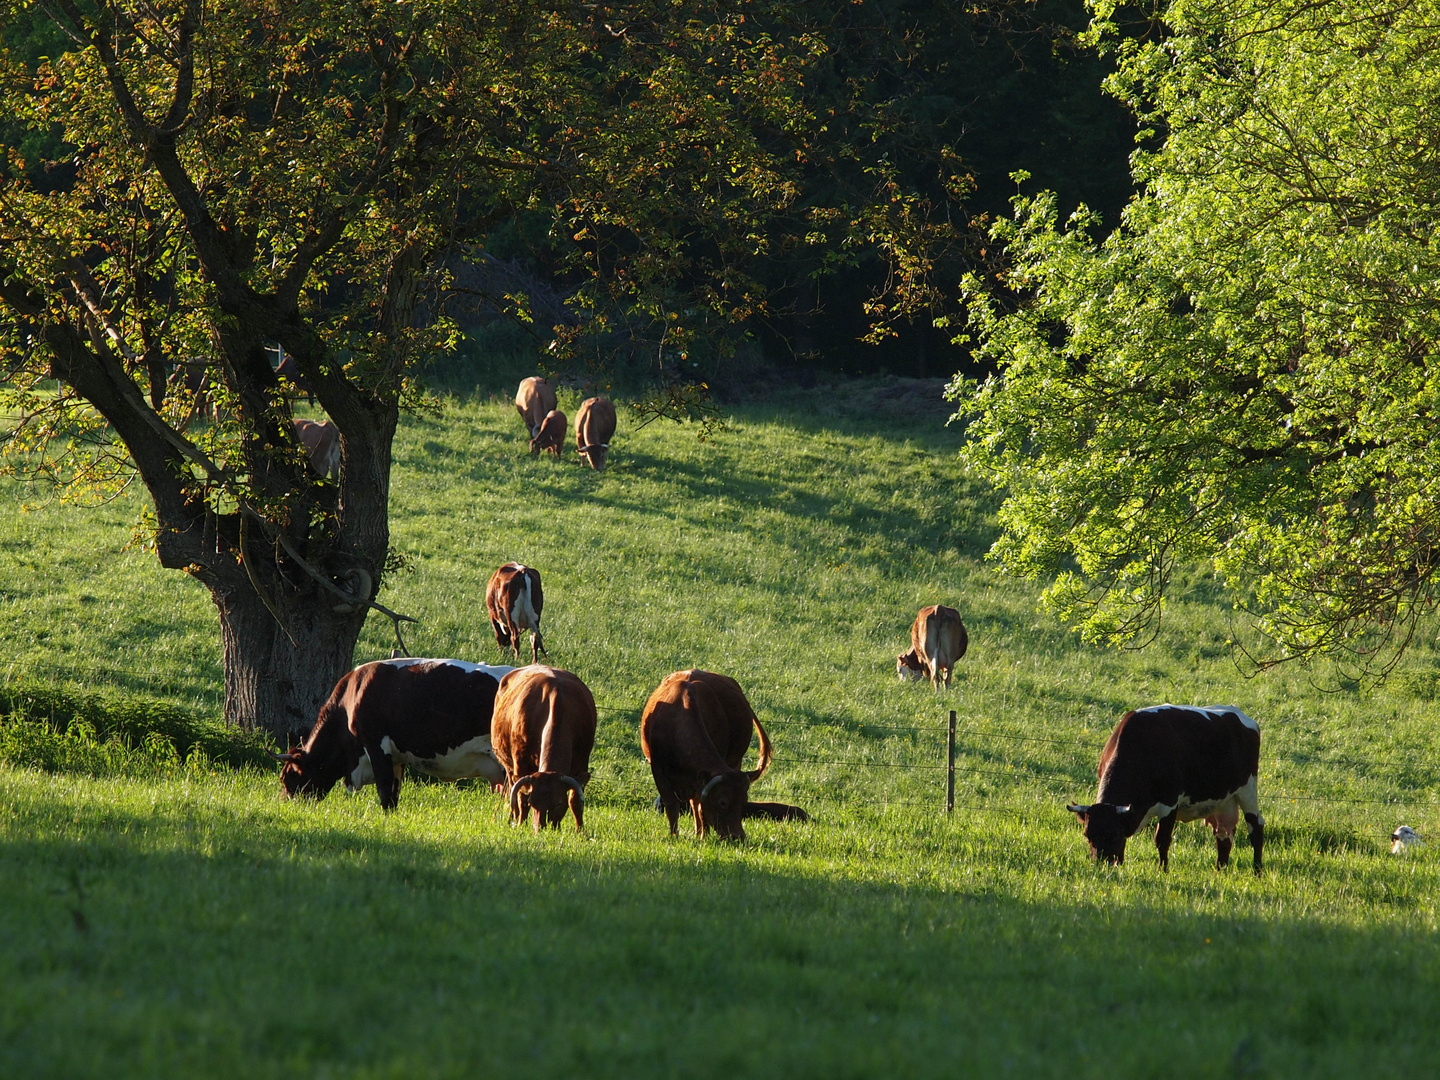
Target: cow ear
1076, 809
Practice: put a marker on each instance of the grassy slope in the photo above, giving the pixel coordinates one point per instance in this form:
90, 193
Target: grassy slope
229, 933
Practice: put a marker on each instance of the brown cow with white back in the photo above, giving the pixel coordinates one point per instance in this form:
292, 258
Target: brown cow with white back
533, 400
514, 601
542, 732
594, 428
937, 640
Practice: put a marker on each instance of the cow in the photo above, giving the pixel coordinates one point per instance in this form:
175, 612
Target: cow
1404, 838
542, 732
937, 640
551, 434
534, 401
288, 370
594, 428
514, 600
694, 732
321, 440
433, 715
193, 376
1176, 763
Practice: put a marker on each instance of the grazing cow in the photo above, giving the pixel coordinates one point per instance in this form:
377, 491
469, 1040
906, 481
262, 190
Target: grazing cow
594, 428
694, 732
551, 435
433, 715
321, 440
288, 370
542, 732
514, 600
937, 640
533, 401
1176, 763
1404, 839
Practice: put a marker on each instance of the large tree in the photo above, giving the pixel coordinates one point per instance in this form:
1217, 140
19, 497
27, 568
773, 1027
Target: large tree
249, 176
1245, 374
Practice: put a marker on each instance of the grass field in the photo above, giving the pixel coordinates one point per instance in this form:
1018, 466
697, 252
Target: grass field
178, 919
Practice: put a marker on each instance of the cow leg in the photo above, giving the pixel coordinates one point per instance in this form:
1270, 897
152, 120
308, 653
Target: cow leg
502, 638
1257, 835
698, 812
669, 801
537, 643
1163, 834
387, 775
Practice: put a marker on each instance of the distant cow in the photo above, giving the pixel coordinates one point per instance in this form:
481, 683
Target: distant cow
594, 428
533, 401
288, 370
551, 435
321, 440
937, 640
542, 733
514, 600
694, 732
193, 377
1176, 763
433, 715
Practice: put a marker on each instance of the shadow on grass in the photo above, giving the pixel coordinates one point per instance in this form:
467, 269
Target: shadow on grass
244, 945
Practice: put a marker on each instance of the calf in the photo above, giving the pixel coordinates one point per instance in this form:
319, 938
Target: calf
542, 732
937, 640
1176, 763
433, 715
594, 428
694, 732
533, 401
551, 434
321, 440
514, 600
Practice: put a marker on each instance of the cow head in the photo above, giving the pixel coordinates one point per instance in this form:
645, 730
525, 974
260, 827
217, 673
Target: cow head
721, 805
330, 752
546, 796
594, 455
550, 434
1106, 828
909, 668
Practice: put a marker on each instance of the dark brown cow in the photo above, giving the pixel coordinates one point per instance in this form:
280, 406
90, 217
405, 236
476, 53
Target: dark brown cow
937, 640
1176, 763
321, 440
433, 715
551, 435
533, 401
542, 733
289, 371
594, 428
694, 732
514, 600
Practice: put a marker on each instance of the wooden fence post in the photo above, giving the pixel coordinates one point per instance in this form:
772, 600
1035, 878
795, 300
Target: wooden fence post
950, 766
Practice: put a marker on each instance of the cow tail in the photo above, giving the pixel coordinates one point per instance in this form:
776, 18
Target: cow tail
549, 736
766, 752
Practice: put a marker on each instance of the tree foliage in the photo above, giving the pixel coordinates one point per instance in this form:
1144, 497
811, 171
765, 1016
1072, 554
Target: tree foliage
1245, 373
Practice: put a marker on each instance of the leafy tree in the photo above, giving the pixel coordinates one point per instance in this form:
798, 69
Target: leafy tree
250, 176
1244, 374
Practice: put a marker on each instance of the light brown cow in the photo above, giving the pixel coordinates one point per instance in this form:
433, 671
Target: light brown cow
694, 732
322, 442
551, 435
514, 601
594, 428
937, 640
533, 400
542, 732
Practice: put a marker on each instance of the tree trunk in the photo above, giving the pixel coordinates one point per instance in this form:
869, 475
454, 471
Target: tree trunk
276, 679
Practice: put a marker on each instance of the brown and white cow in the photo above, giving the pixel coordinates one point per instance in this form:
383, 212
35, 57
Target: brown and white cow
551, 434
514, 601
533, 400
433, 715
1176, 763
937, 640
321, 440
694, 732
542, 732
594, 428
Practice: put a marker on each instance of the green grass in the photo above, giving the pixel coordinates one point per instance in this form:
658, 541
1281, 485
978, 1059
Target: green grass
222, 931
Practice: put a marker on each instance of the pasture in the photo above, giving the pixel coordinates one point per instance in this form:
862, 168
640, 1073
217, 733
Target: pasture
159, 917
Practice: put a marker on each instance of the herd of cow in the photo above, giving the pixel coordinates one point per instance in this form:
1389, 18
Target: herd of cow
530, 730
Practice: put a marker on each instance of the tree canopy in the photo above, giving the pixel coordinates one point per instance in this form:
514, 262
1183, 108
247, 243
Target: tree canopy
1244, 374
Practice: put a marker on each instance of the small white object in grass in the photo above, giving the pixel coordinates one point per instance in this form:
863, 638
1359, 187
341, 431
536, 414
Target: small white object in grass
1405, 838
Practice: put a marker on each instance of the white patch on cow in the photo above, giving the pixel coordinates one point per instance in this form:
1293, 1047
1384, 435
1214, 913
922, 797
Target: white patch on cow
1159, 810
496, 671
1405, 838
1219, 710
471, 758
363, 774
522, 614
